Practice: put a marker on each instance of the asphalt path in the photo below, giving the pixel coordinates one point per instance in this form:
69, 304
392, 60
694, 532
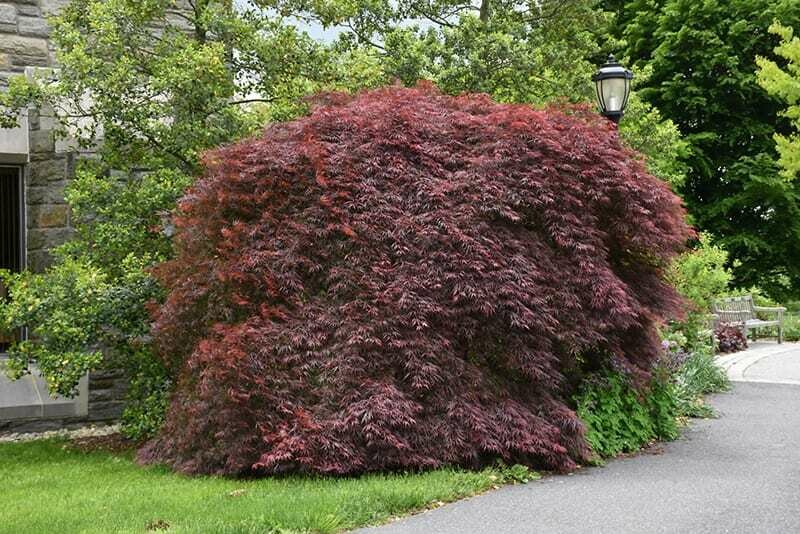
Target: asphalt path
738, 473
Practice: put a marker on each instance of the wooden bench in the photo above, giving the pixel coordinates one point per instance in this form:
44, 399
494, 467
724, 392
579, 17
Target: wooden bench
742, 312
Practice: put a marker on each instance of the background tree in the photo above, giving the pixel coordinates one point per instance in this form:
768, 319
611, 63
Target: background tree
785, 84
521, 51
517, 51
702, 56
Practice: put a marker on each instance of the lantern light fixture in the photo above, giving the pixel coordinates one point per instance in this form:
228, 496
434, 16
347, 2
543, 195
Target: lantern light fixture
612, 86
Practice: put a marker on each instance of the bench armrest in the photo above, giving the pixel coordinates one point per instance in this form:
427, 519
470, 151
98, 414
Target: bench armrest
769, 309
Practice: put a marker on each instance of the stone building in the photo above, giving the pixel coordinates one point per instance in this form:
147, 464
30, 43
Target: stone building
35, 168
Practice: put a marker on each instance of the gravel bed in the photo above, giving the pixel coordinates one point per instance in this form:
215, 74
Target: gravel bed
84, 432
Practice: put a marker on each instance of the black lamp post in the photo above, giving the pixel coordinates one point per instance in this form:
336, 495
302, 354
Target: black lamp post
613, 85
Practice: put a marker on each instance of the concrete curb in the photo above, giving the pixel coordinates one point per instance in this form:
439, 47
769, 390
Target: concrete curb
737, 364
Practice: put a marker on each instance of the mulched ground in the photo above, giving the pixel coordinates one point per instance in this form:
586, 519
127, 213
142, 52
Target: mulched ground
110, 443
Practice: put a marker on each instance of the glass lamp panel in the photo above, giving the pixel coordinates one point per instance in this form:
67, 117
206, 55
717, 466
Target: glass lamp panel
613, 93
627, 93
598, 93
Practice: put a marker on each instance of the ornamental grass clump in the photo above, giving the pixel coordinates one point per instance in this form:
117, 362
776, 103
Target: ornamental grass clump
405, 279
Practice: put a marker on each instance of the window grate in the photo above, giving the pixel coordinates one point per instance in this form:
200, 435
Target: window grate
11, 229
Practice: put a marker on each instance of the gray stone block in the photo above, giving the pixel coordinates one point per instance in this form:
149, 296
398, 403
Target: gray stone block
101, 383
47, 238
53, 193
44, 172
53, 7
44, 156
7, 71
19, 47
8, 14
39, 260
42, 141
30, 61
19, 398
99, 395
29, 397
35, 26
106, 374
103, 411
33, 119
41, 425
29, 10
33, 425
71, 161
48, 216
116, 392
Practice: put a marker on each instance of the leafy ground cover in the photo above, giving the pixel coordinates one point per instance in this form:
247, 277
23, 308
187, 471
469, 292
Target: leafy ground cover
49, 486
621, 419
698, 376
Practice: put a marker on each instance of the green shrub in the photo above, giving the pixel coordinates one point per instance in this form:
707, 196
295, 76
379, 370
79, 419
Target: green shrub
148, 396
620, 419
791, 327
693, 334
700, 275
662, 406
65, 311
81, 318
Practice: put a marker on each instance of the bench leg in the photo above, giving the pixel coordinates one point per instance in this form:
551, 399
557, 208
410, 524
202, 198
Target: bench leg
780, 333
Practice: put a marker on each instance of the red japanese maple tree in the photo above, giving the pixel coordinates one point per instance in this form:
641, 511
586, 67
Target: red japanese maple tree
405, 279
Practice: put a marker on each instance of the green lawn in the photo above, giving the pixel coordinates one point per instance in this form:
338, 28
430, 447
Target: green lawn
47, 486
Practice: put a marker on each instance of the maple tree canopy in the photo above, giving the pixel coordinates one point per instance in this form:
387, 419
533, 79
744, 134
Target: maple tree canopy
405, 279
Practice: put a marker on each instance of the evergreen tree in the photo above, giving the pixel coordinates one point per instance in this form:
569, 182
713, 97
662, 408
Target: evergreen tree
702, 56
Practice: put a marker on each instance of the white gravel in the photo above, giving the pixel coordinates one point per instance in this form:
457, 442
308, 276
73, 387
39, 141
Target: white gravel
84, 432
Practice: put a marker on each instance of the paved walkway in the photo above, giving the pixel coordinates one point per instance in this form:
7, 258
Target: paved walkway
739, 473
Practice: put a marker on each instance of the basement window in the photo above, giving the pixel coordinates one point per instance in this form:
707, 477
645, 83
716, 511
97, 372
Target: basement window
12, 231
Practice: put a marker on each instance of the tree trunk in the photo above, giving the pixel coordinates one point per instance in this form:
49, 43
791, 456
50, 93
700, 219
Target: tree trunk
485, 10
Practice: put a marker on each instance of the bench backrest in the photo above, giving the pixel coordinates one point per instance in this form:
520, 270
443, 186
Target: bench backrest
736, 308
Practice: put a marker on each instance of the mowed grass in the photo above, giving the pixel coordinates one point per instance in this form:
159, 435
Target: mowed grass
48, 486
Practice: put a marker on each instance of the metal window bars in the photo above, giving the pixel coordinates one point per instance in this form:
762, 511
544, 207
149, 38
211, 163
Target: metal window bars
12, 228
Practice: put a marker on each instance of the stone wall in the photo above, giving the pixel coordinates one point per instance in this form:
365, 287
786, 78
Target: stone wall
106, 394
24, 46
24, 36
46, 176
107, 391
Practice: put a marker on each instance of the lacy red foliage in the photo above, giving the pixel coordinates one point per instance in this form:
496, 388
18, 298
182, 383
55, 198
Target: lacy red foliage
730, 338
402, 280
